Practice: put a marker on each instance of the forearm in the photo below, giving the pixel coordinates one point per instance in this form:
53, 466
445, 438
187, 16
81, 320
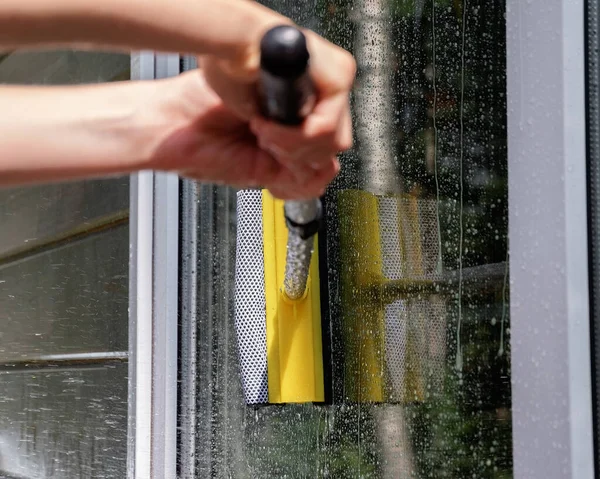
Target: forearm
56, 133
225, 28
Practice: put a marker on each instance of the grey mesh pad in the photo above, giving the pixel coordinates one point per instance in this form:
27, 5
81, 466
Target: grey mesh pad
396, 338
419, 321
250, 307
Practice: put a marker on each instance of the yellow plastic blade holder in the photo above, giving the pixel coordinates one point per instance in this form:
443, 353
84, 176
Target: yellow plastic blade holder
294, 336
366, 372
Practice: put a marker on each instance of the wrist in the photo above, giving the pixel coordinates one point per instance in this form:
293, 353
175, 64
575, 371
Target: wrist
108, 121
167, 125
79, 132
123, 124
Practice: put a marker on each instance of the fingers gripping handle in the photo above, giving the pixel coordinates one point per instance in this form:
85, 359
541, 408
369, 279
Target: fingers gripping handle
287, 95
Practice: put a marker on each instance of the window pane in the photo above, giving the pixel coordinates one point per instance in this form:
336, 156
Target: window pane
420, 374
63, 422
33, 216
70, 300
64, 254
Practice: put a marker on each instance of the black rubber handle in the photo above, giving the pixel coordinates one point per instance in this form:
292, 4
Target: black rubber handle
285, 89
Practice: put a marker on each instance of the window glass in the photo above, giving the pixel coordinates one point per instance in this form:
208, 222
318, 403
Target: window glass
64, 252
420, 376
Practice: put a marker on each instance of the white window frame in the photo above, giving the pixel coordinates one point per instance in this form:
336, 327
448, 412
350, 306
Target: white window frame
154, 258
549, 300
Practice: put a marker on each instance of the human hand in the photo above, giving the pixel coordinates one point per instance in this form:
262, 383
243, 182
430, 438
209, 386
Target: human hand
186, 128
307, 151
181, 125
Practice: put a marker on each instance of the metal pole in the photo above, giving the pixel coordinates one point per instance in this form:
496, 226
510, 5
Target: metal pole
299, 250
380, 175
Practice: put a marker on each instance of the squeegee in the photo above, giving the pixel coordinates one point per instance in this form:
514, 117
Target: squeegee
277, 301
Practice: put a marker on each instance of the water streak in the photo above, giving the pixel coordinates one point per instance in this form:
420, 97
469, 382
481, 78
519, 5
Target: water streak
435, 142
504, 288
459, 358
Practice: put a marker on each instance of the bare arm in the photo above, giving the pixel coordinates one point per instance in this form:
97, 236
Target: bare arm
64, 133
228, 29
60, 133
177, 124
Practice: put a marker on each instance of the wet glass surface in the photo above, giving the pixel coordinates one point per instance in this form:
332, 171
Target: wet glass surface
32, 217
64, 254
417, 271
37, 215
70, 300
64, 422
